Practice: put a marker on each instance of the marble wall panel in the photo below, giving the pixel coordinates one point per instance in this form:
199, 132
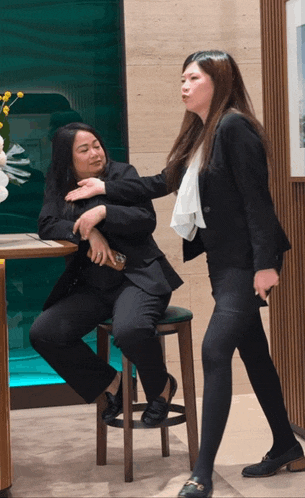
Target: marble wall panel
165, 32
155, 108
252, 76
149, 163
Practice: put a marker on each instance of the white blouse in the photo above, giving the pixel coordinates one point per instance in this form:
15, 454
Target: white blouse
187, 215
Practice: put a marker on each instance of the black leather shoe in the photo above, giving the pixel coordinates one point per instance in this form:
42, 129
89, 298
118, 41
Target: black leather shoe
115, 405
294, 460
157, 410
193, 489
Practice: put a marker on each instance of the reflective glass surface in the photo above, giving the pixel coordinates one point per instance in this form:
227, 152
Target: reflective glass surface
67, 58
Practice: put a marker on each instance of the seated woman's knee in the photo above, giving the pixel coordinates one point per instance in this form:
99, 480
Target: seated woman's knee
127, 334
45, 330
36, 334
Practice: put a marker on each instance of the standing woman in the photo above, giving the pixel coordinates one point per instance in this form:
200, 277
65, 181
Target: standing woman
218, 165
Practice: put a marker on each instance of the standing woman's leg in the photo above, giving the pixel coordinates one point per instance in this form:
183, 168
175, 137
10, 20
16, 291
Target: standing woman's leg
221, 339
254, 352
286, 449
231, 320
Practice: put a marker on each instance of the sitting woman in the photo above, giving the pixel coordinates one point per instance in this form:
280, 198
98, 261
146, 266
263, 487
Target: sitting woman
91, 291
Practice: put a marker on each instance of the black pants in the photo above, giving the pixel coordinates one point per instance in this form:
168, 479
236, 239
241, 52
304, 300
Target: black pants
57, 336
236, 323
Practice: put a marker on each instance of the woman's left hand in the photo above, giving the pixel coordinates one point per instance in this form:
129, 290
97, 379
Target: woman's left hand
88, 220
89, 187
99, 250
264, 280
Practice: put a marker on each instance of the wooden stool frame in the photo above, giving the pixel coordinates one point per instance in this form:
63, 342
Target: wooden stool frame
188, 411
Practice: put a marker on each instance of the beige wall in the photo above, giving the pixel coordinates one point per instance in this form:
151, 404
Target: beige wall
160, 34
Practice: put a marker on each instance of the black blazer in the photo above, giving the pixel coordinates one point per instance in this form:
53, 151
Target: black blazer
127, 228
242, 228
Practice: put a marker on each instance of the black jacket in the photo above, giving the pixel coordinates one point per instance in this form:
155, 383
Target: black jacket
242, 228
127, 229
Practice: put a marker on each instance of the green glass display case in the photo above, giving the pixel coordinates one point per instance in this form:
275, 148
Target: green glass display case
67, 57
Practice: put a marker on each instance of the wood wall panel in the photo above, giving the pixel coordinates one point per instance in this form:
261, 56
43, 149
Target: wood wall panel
287, 302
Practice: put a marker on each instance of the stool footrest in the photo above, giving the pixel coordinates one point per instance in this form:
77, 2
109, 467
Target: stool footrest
138, 424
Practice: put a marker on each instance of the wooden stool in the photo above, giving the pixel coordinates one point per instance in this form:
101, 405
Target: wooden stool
175, 320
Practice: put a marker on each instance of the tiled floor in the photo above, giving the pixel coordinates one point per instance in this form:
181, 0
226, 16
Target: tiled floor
54, 456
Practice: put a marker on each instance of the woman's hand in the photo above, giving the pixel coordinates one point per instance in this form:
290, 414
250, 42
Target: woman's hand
264, 280
85, 223
99, 250
90, 187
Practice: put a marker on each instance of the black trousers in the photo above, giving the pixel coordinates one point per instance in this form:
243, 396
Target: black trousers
236, 323
57, 335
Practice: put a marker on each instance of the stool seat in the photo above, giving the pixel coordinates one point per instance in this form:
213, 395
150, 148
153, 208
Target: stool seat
173, 314
176, 320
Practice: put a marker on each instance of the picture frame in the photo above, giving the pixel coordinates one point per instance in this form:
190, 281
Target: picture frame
295, 36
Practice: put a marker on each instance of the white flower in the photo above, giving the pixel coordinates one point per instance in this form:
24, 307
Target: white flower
4, 179
3, 193
2, 153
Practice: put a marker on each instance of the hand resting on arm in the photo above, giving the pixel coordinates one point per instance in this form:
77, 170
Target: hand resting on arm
99, 250
85, 223
89, 187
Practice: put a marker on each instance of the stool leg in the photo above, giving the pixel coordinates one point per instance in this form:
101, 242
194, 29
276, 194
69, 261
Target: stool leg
188, 383
164, 430
127, 414
101, 427
134, 389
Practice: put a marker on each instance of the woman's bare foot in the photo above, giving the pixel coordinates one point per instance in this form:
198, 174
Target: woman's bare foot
166, 391
115, 384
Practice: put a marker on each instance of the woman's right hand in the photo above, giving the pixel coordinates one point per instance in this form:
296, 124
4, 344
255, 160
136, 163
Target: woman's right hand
264, 280
99, 250
90, 187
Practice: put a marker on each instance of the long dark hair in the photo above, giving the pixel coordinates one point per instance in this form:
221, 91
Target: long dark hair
61, 174
230, 95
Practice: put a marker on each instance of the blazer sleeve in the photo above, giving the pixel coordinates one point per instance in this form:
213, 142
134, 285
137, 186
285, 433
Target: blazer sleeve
51, 223
134, 217
120, 219
244, 152
57, 223
138, 189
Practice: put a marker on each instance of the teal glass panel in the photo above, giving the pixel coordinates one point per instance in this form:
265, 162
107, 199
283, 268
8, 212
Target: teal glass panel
67, 57
27, 368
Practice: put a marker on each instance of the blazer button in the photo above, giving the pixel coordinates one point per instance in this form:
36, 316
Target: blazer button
206, 209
